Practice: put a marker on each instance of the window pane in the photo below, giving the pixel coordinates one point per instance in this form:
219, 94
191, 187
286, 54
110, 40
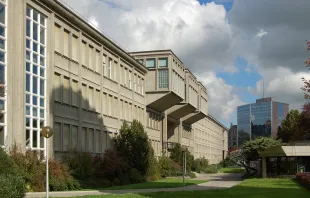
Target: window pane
27, 110
35, 15
150, 63
41, 140
41, 102
41, 87
34, 100
28, 11
35, 31
34, 111
28, 55
66, 43
42, 72
2, 44
35, 46
42, 20
2, 31
34, 139
35, 58
35, 69
2, 14
34, 123
28, 44
27, 98
163, 62
42, 50
27, 82
42, 62
42, 35
34, 85
2, 56
28, 26
27, 137
28, 122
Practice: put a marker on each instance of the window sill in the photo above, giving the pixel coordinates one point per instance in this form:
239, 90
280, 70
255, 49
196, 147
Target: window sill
110, 79
139, 94
126, 87
89, 69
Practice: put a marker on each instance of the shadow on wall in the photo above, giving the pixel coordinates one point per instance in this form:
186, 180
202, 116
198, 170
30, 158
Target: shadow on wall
77, 118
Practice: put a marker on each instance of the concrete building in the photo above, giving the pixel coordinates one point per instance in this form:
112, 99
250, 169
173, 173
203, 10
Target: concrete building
64, 73
260, 119
232, 137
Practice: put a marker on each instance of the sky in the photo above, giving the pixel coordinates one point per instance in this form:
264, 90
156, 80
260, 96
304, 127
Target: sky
232, 46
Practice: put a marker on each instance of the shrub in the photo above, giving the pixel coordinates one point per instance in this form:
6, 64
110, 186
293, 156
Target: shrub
211, 169
176, 155
116, 182
135, 176
80, 164
200, 164
12, 186
125, 179
153, 171
7, 164
165, 166
60, 178
191, 174
303, 179
113, 165
133, 145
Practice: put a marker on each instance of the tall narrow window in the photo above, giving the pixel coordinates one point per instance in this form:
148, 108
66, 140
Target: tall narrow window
116, 107
115, 71
75, 48
66, 137
135, 82
97, 99
35, 76
110, 105
84, 96
129, 77
75, 93
104, 103
91, 98
56, 137
66, 90
163, 79
74, 137
66, 42
90, 57
104, 65
57, 86
90, 140
142, 86
97, 141
138, 83
125, 77
83, 54
58, 39
98, 61
83, 139
110, 68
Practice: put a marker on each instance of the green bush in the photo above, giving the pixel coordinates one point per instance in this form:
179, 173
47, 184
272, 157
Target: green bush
211, 169
116, 182
12, 186
176, 155
191, 174
113, 165
135, 176
133, 145
80, 164
200, 164
153, 171
165, 166
7, 164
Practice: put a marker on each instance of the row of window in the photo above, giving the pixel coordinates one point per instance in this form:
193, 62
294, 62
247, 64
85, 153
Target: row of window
126, 79
193, 97
3, 12
68, 137
178, 84
153, 120
151, 62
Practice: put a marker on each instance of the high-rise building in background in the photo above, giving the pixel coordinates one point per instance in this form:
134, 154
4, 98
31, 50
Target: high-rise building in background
232, 137
260, 119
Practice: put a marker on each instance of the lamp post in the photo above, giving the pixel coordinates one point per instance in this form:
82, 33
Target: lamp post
47, 132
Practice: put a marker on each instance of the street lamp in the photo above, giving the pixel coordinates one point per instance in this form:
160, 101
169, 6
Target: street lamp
47, 132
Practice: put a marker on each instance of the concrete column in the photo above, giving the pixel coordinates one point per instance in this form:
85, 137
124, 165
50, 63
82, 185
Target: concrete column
264, 167
164, 131
180, 129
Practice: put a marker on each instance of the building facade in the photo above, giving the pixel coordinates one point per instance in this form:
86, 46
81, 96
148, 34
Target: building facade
232, 137
260, 119
58, 70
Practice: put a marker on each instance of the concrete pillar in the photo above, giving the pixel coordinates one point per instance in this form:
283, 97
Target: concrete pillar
180, 132
264, 167
164, 132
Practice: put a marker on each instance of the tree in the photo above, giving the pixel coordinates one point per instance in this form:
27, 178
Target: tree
288, 128
134, 147
176, 155
306, 87
296, 126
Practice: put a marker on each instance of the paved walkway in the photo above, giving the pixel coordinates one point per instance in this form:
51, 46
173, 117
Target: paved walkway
216, 181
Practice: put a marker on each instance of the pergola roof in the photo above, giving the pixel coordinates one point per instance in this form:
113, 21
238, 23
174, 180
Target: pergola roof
290, 151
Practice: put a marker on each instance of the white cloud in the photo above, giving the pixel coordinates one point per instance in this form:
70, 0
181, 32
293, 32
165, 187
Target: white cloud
261, 33
223, 100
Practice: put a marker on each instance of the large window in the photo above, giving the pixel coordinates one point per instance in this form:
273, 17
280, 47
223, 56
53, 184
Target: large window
35, 78
3, 48
150, 63
163, 79
163, 62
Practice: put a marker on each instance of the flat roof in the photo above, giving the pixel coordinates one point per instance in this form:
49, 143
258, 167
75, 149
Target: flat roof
289, 151
217, 122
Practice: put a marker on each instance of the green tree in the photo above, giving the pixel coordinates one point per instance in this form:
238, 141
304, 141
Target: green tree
176, 155
287, 130
134, 147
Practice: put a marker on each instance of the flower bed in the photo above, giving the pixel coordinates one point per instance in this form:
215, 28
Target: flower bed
303, 179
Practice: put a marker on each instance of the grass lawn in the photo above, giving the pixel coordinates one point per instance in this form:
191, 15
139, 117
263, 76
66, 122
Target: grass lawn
250, 188
163, 183
231, 170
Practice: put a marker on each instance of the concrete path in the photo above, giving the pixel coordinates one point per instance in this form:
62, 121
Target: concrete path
216, 181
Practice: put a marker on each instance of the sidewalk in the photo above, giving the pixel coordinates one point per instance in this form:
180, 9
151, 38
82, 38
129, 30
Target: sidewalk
217, 181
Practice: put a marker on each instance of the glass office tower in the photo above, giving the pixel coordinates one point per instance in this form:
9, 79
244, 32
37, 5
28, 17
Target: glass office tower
260, 119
